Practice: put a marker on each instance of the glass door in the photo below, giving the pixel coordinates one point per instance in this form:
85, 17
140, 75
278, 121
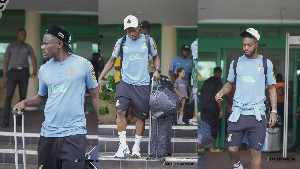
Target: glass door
208, 59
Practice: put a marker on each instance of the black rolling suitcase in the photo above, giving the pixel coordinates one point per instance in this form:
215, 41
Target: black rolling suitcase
160, 138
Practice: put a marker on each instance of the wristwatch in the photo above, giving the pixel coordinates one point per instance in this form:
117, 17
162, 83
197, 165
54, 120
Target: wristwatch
158, 70
274, 111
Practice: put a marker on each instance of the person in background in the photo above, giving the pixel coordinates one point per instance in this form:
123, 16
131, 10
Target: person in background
180, 88
211, 110
16, 57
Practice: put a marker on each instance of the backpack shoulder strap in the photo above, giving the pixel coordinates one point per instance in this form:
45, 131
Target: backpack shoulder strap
121, 48
235, 61
148, 42
121, 52
265, 65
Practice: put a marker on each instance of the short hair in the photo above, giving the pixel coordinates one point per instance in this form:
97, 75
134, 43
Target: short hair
21, 29
217, 69
279, 76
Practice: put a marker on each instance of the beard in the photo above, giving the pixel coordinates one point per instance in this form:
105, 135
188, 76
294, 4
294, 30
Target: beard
251, 54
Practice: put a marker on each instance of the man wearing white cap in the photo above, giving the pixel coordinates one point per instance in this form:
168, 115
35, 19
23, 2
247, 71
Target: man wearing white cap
134, 84
248, 109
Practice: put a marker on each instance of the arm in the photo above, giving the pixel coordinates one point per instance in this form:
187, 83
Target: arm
34, 64
172, 78
36, 101
225, 89
156, 62
106, 69
296, 116
5, 67
221, 109
94, 99
187, 95
190, 79
273, 99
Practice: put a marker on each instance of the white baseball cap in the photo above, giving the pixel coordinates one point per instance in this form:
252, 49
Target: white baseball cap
130, 22
252, 32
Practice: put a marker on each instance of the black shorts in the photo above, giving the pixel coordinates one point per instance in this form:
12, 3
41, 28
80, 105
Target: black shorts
138, 95
256, 131
62, 152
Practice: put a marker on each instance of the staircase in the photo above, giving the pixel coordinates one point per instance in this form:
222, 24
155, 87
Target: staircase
184, 145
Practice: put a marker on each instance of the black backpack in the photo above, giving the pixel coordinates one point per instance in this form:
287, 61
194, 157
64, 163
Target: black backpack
235, 61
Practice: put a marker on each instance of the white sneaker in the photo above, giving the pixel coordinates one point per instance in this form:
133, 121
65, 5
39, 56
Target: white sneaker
136, 152
123, 150
181, 123
193, 123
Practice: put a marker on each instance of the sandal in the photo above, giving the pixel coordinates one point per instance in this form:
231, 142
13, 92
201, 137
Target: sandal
216, 150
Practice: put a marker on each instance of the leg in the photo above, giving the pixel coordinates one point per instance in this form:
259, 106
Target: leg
256, 135
140, 127
234, 154
256, 159
213, 145
121, 120
73, 147
181, 112
49, 148
11, 86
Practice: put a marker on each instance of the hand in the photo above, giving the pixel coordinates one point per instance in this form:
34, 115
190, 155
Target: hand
32, 75
100, 82
273, 119
296, 116
20, 106
4, 83
218, 97
187, 97
173, 79
156, 75
221, 114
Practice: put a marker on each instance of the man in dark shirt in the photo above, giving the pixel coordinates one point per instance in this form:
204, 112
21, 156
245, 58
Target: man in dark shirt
212, 111
16, 56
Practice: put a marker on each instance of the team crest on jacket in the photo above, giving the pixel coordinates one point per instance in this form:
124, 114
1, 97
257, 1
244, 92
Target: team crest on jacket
259, 68
70, 72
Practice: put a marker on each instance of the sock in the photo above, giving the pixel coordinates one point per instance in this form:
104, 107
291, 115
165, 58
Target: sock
237, 165
180, 118
138, 140
122, 136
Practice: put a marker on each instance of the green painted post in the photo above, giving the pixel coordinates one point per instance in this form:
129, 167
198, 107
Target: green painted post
295, 94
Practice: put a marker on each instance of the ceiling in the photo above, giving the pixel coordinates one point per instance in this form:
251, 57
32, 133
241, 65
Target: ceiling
57, 6
254, 11
166, 12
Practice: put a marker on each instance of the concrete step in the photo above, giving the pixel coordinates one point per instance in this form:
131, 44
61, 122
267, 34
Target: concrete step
181, 160
179, 145
177, 131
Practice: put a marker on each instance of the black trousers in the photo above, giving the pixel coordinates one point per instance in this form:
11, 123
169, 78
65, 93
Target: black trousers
15, 77
62, 152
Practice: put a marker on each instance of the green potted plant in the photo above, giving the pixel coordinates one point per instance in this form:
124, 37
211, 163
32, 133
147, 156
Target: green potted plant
108, 94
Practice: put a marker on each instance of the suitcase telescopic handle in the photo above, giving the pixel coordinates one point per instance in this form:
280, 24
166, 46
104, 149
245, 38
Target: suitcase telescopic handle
15, 112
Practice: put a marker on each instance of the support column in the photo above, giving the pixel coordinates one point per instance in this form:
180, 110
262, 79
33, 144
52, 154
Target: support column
168, 48
33, 27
